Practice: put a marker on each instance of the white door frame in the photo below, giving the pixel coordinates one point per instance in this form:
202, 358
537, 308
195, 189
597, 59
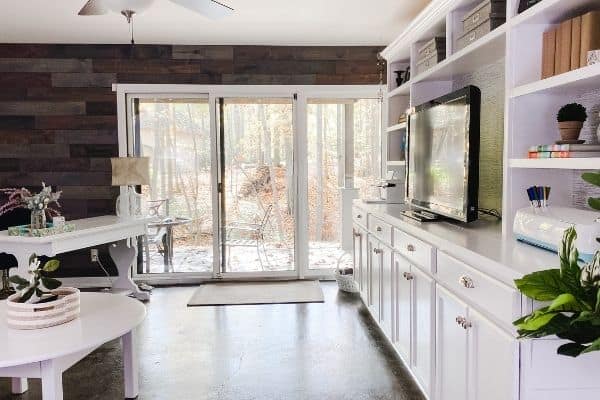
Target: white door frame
214, 92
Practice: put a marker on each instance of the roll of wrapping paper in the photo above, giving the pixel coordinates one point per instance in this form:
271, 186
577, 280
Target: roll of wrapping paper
538, 196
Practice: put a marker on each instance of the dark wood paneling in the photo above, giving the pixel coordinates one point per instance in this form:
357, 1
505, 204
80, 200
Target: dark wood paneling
58, 117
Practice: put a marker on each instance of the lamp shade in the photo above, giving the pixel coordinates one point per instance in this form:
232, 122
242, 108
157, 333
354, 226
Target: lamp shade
130, 171
133, 5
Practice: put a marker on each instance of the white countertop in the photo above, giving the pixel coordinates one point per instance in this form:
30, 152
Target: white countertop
479, 244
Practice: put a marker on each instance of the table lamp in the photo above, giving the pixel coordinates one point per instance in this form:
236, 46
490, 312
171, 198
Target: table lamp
128, 172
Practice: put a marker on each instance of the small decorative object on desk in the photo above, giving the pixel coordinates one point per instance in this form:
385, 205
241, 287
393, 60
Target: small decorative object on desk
50, 229
345, 279
570, 121
593, 57
572, 297
39, 303
38, 204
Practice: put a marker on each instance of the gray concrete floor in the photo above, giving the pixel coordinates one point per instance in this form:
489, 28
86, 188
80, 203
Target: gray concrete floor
294, 351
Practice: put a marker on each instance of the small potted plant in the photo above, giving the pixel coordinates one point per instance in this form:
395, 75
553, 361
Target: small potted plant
570, 121
39, 303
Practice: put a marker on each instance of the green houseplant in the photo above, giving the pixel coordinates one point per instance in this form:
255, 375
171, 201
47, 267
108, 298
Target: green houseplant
594, 179
573, 293
37, 288
570, 119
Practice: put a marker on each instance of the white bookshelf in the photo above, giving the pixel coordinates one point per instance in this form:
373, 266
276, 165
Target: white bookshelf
530, 103
591, 163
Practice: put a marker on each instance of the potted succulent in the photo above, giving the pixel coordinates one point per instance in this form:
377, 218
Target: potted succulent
570, 121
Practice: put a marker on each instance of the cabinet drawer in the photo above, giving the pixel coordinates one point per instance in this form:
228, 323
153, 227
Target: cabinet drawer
417, 251
359, 216
500, 300
380, 229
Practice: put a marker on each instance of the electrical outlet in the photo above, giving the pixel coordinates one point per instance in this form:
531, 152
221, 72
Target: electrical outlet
94, 255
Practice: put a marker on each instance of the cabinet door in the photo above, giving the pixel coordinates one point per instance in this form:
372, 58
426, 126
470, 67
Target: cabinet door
366, 274
451, 347
356, 250
493, 366
375, 258
403, 308
423, 327
386, 316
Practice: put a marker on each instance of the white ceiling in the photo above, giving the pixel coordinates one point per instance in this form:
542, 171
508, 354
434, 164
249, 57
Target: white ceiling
255, 22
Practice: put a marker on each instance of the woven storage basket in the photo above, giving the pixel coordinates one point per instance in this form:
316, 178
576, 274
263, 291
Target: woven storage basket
36, 316
346, 282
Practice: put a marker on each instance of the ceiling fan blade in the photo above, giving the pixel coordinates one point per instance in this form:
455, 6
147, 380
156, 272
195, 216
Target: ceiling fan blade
209, 8
93, 7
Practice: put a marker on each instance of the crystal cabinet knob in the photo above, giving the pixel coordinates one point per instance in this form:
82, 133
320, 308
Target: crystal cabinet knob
466, 282
410, 247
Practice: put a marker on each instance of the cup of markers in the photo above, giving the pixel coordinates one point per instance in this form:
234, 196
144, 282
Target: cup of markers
538, 196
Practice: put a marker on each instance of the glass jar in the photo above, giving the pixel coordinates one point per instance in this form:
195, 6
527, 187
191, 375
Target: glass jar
38, 219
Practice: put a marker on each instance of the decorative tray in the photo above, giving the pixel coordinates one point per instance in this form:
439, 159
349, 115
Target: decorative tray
25, 230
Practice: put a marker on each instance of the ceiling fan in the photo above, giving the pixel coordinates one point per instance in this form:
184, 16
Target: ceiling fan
209, 8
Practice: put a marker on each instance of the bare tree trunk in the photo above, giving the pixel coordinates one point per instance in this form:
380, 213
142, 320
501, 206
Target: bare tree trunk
274, 191
319, 161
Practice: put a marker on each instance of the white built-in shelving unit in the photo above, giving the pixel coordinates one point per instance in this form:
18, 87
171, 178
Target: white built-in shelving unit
530, 102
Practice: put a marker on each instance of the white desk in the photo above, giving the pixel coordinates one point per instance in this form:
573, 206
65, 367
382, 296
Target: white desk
47, 353
89, 232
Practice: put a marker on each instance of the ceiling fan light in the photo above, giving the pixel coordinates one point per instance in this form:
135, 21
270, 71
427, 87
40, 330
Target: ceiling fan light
134, 5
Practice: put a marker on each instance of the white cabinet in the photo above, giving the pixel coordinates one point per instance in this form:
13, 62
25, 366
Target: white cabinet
375, 259
476, 360
493, 360
423, 327
415, 324
402, 340
451, 347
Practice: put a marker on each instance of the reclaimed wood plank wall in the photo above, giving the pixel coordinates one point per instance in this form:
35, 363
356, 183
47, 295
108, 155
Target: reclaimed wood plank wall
58, 117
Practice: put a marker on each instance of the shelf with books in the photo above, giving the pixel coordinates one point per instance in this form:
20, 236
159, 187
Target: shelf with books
552, 11
556, 163
579, 80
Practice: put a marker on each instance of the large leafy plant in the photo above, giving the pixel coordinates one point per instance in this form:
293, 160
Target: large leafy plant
573, 293
594, 179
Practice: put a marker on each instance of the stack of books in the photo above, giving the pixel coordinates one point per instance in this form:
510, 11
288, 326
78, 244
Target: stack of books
566, 47
564, 151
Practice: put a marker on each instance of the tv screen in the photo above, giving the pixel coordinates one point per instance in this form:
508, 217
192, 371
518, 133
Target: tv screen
443, 155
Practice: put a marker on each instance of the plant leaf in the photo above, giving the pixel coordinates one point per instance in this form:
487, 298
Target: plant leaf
594, 202
27, 295
567, 302
571, 349
591, 177
17, 280
542, 285
570, 271
595, 346
51, 283
537, 320
559, 323
51, 265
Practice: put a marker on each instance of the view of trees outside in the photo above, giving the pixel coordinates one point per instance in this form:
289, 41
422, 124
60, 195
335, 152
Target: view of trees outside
258, 181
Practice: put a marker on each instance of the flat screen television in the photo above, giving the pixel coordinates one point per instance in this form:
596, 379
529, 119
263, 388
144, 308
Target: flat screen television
443, 155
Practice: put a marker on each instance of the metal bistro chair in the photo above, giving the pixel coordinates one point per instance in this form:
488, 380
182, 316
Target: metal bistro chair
254, 236
158, 209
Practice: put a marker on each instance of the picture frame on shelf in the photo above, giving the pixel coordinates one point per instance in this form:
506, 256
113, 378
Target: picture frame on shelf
526, 4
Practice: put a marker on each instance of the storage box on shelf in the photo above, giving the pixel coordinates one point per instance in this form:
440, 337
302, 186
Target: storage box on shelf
483, 19
431, 53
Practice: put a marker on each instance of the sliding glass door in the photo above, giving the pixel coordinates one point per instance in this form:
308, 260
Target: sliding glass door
175, 134
258, 227
251, 181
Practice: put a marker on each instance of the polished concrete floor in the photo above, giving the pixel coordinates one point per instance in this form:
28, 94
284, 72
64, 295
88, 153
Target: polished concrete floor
294, 351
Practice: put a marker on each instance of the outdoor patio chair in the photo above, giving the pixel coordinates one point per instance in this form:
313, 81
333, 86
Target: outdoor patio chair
253, 235
158, 209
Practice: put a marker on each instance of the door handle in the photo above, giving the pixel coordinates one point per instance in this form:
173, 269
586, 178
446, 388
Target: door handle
377, 251
378, 229
410, 247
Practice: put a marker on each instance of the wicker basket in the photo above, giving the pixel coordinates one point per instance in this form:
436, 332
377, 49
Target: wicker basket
43, 315
346, 282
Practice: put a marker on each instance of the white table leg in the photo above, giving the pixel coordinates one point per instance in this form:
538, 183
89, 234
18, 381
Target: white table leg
19, 385
130, 365
124, 257
22, 264
51, 381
